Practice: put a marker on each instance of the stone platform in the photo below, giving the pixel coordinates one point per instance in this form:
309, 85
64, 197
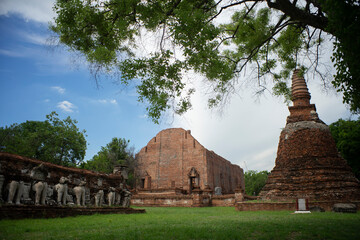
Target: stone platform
287, 205
26, 211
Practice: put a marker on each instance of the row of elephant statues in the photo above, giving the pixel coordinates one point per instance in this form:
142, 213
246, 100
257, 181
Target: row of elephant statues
43, 194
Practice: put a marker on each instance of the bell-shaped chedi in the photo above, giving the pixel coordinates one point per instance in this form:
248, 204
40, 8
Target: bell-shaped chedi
308, 164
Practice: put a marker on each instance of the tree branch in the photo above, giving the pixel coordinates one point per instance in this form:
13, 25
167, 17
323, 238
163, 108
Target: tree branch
257, 48
231, 5
295, 13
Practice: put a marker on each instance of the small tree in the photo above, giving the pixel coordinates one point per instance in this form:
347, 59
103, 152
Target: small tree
255, 181
115, 153
53, 140
347, 138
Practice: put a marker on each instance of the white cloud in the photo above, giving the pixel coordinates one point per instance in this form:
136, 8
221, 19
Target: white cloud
66, 106
107, 101
113, 101
11, 53
35, 38
264, 154
36, 10
247, 133
58, 89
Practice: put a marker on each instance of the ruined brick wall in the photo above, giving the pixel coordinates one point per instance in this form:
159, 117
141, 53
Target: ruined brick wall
221, 173
162, 201
288, 206
169, 158
200, 200
227, 200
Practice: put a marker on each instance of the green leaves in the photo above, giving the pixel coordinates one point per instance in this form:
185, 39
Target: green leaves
117, 152
161, 81
346, 134
255, 181
344, 24
53, 140
271, 38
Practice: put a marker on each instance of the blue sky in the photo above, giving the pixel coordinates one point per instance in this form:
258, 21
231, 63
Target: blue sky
36, 79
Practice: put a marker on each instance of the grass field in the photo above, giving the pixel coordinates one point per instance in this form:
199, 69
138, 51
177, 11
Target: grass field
188, 223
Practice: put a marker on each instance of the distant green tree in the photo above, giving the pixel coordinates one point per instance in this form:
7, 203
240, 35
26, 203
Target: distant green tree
347, 137
53, 140
117, 152
255, 181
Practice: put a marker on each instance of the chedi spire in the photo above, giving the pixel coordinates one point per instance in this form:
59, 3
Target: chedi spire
308, 164
299, 92
301, 110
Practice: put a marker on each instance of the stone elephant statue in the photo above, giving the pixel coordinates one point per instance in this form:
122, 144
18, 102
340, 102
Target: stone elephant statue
62, 190
99, 198
40, 189
111, 196
127, 198
80, 193
15, 192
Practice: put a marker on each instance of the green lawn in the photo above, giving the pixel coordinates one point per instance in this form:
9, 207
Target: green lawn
188, 223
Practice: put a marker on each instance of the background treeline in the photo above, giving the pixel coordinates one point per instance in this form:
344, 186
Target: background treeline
62, 142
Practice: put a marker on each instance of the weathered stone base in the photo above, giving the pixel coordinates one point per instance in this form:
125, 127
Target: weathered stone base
286, 206
314, 183
25, 211
157, 200
265, 206
227, 200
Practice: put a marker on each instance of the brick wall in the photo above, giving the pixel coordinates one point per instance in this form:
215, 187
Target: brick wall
194, 200
288, 206
171, 155
227, 200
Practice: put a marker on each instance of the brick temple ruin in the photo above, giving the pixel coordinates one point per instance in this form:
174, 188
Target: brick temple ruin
308, 164
175, 164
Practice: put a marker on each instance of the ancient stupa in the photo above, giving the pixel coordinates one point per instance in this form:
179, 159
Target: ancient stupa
308, 164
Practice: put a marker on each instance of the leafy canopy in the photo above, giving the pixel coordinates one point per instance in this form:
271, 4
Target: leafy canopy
53, 140
115, 153
346, 134
271, 38
255, 181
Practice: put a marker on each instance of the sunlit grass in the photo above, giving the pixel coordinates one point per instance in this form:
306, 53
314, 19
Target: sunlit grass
188, 223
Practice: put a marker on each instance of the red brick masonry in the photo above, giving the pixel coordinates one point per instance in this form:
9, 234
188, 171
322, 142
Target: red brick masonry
174, 157
285, 206
308, 164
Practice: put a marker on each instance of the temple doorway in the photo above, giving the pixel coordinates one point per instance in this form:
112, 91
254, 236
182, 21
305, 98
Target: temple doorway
194, 179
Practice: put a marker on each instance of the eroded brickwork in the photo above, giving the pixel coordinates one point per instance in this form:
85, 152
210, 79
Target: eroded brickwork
308, 164
175, 159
